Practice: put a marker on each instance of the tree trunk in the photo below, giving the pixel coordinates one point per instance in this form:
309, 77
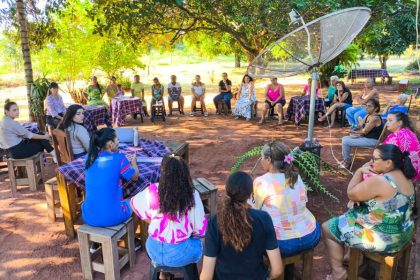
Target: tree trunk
237, 61
382, 60
24, 38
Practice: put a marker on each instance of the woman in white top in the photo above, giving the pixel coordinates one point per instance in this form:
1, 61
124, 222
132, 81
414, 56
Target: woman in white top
176, 216
246, 99
198, 90
282, 194
17, 140
79, 136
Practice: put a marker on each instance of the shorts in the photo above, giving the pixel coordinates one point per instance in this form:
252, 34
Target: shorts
281, 101
174, 97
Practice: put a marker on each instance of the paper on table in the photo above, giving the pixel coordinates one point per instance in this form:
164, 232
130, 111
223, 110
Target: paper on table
150, 159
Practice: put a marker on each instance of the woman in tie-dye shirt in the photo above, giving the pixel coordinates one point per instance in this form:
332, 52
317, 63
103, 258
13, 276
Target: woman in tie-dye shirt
175, 213
282, 194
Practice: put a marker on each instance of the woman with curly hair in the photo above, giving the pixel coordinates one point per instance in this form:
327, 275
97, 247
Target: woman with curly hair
238, 237
176, 216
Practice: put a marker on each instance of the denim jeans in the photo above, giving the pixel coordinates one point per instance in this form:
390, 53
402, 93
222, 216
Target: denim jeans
225, 96
294, 246
347, 142
353, 114
174, 255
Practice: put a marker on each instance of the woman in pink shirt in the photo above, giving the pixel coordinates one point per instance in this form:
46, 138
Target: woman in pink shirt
307, 88
176, 216
275, 98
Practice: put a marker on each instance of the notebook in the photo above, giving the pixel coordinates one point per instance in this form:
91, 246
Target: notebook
125, 134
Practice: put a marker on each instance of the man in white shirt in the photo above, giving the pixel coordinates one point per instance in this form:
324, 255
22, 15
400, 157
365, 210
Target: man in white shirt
174, 94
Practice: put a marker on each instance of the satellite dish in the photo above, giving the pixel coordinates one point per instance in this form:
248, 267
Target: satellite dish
310, 46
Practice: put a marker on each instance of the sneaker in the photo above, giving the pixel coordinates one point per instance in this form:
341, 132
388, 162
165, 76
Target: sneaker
206, 114
344, 165
137, 244
94, 247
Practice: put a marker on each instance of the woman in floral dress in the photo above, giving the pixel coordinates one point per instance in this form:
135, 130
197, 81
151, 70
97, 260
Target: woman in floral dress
246, 99
380, 217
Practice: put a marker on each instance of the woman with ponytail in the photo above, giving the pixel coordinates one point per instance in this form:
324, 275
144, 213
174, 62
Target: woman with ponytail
176, 216
380, 217
238, 237
282, 193
104, 204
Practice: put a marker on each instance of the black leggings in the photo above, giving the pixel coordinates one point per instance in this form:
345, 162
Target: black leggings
29, 147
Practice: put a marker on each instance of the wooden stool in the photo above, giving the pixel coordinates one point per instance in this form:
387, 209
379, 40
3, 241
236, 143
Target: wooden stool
158, 111
178, 108
190, 272
388, 264
222, 108
196, 108
108, 237
307, 259
207, 193
34, 170
53, 200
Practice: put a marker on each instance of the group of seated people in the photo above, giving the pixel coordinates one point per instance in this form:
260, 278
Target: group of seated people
264, 218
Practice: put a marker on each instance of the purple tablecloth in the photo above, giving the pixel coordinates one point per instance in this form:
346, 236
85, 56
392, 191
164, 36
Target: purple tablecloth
299, 107
368, 73
94, 116
149, 171
31, 126
122, 107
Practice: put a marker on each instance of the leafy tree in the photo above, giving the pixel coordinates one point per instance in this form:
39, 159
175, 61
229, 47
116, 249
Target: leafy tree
116, 56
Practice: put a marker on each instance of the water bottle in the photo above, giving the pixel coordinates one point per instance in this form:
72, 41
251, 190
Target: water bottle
136, 137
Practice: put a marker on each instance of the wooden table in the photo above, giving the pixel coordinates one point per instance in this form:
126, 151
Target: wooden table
67, 190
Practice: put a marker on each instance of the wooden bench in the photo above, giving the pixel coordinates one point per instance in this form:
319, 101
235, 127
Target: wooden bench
388, 264
108, 237
306, 258
222, 108
34, 171
53, 199
208, 195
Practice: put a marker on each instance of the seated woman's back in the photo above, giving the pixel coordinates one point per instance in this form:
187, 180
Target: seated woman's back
286, 205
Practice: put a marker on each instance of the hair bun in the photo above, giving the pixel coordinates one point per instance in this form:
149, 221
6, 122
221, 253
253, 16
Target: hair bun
7, 101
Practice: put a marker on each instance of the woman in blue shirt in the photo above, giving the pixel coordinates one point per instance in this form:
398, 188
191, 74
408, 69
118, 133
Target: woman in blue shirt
104, 204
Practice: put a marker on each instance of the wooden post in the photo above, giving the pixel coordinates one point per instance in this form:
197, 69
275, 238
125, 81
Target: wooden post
354, 264
85, 258
66, 206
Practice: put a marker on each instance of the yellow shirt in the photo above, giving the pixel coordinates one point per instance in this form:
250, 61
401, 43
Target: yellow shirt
138, 88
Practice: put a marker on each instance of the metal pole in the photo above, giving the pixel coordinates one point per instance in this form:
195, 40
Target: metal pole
315, 79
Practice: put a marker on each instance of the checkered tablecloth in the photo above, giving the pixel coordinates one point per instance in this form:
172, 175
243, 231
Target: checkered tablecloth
299, 107
31, 126
149, 171
368, 73
122, 107
94, 116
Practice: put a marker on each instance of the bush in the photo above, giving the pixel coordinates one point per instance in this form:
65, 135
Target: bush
412, 66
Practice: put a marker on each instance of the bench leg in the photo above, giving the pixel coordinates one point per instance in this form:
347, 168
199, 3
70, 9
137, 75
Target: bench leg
404, 263
85, 258
49, 193
307, 265
111, 259
354, 264
386, 269
12, 177
67, 208
130, 244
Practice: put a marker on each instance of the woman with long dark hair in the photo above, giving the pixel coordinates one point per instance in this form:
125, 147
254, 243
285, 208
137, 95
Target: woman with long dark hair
175, 213
246, 98
380, 217
17, 140
95, 92
238, 237
79, 136
282, 194
104, 203
54, 106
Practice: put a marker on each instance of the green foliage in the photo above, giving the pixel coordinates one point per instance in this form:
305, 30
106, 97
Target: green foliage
39, 93
114, 56
306, 162
340, 65
412, 66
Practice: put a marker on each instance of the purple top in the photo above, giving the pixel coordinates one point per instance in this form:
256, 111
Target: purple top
54, 105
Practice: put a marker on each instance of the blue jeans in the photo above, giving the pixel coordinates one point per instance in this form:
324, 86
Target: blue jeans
294, 246
225, 96
353, 114
174, 255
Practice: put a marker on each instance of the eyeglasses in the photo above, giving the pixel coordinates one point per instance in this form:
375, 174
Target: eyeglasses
374, 158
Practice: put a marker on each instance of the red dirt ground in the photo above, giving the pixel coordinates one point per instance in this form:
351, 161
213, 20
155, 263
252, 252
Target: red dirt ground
34, 248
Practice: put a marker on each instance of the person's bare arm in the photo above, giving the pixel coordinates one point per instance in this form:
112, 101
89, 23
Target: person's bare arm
363, 101
209, 264
370, 188
370, 125
136, 169
228, 87
280, 96
275, 263
142, 93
